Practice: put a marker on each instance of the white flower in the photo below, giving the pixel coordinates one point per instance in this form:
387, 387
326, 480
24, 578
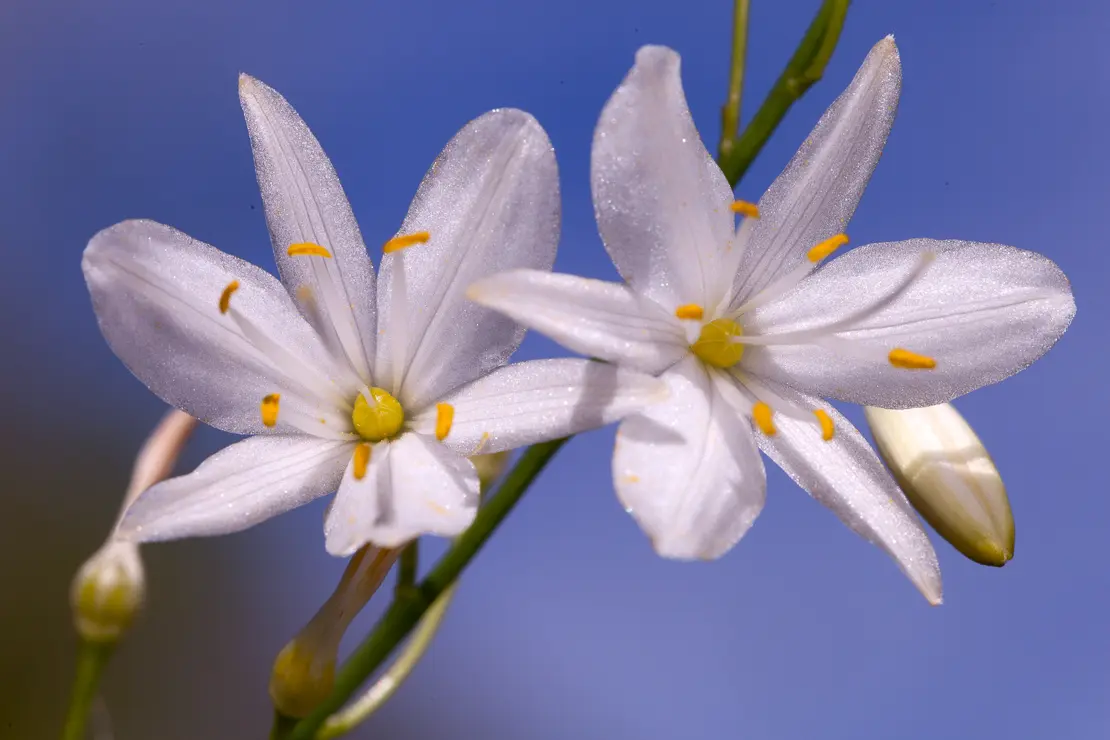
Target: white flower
743, 325
381, 391
949, 477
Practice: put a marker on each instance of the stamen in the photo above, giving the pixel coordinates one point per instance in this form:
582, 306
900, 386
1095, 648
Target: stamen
483, 442
225, 297
361, 460
270, 405
307, 249
774, 400
826, 422
445, 414
340, 319
405, 240
762, 414
827, 247
744, 208
689, 311
907, 360
285, 362
848, 323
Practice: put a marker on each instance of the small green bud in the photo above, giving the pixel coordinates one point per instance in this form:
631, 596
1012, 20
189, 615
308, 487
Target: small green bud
949, 478
108, 591
303, 675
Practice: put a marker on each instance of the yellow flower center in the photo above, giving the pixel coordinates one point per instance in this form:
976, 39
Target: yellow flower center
378, 419
715, 346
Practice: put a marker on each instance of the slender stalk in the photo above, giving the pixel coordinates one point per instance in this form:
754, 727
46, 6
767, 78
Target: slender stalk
405, 612
92, 656
730, 111
805, 68
407, 567
346, 720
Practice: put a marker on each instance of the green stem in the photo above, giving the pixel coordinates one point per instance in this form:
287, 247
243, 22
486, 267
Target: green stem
404, 613
730, 111
406, 568
805, 68
91, 659
346, 720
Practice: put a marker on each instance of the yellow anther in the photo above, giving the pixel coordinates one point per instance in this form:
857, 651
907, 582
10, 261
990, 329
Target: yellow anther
827, 247
827, 427
744, 208
907, 360
715, 346
405, 240
225, 297
445, 414
762, 414
689, 311
307, 249
270, 406
378, 419
483, 443
361, 460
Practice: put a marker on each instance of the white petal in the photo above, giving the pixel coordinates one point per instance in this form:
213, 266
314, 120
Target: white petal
491, 203
156, 294
413, 486
592, 317
238, 487
847, 476
304, 202
535, 401
688, 469
816, 195
982, 311
662, 202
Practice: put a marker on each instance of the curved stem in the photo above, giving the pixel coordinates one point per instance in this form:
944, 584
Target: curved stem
406, 611
805, 68
91, 659
730, 111
347, 719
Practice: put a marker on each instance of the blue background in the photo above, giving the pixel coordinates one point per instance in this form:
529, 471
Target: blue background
567, 625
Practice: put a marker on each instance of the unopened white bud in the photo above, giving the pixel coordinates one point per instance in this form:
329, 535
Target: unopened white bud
108, 591
949, 478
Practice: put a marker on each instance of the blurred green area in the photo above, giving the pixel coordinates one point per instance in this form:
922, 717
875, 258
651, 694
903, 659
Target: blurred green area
196, 663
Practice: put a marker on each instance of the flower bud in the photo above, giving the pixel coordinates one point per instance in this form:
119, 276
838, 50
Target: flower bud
304, 670
108, 592
109, 589
489, 467
949, 478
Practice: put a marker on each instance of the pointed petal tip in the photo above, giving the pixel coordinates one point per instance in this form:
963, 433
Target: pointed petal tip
249, 84
885, 50
932, 590
255, 90
515, 122
652, 55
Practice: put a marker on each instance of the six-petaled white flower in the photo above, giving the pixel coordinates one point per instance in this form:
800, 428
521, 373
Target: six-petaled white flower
748, 323
378, 391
